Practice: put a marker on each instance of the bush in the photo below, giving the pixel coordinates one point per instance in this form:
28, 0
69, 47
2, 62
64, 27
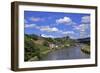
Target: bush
46, 43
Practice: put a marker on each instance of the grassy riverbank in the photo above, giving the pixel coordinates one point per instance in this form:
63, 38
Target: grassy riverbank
86, 49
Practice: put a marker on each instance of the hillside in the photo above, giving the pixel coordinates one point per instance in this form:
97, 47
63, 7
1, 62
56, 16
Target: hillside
36, 46
84, 40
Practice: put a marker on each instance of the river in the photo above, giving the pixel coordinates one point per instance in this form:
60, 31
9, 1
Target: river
73, 52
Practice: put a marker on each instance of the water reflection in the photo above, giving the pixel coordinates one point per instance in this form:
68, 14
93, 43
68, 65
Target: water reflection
66, 53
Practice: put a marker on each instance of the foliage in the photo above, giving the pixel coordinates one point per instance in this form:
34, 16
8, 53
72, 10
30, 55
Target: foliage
86, 48
34, 50
30, 48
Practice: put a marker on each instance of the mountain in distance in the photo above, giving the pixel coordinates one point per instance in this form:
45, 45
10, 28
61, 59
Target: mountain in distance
84, 40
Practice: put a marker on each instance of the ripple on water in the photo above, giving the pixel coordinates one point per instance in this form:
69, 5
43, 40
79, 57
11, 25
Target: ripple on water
66, 53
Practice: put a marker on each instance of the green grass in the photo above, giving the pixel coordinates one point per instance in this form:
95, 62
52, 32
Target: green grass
43, 50
86, 49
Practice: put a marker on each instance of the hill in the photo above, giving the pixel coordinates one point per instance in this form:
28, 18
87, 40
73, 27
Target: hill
36, 46
84, 40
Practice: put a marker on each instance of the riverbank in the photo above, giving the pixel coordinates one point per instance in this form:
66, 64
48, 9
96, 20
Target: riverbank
45, 50
86, 49
73, 52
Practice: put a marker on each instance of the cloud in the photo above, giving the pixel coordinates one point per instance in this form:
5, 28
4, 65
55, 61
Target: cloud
42, 28
50, 36
67, 32
49, 29
36, 19
85, 19
81, 27
64, 20
83, 30
29, 25
84, 27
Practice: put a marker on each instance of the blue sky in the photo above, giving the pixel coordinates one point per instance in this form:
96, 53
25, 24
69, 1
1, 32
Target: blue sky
57, 24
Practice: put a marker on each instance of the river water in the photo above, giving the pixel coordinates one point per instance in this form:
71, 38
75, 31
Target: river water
66, 53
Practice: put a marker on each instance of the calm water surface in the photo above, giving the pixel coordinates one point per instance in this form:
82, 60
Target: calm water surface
67, 53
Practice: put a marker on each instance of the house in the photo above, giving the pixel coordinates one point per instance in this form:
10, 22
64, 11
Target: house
52, 45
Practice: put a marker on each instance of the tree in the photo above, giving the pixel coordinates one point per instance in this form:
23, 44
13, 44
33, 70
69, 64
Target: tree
45, 43
67, 37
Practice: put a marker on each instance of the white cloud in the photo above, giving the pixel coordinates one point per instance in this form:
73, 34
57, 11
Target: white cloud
85, 19
81, 27
54, 29
29, 25
67, 32
82, 30
36, 19
50, 36
49, 29
42, 28
64, 20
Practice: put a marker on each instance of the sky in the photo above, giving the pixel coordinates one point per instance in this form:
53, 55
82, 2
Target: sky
57, 24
